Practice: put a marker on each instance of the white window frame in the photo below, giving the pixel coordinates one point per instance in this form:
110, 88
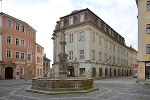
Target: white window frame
100, 56
70, 37
62, 23
17, 41
9, 23
22, 42
100, 41
21, 71
10, 53
22, 55
82, 17
93, 55
18, 26
81, 36
17, 54
29, 57
23, 28
93, 37
71, 20
71, 55
31, 72
81, 52
9, 39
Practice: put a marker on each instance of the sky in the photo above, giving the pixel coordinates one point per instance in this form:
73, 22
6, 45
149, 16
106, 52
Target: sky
42, 15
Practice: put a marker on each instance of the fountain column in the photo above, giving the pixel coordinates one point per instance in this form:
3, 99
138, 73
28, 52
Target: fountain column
62, 57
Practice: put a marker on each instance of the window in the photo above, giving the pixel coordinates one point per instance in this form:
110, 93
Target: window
81, 54
105, 57
93, 54
62, 23
99, 23
29, 56
81, 36
82, 17
118, 49
17, 26
22, 43
148, 5
21, 71
70, 54
31, 71
93, 72
100, 71
113, 60
22, 55
100, 56
118, 61
29, 45
22, 28
8, 53
110, 31
148, 48
93, 37
82, 71
114, 47
8, 39
17, 41
105, 43
110, 59
33, 46
99, 40
9, 23
109, 45
38, 72
33, 34
71, 20
46, 64
17, 55
29, 32
71, 37
148, 28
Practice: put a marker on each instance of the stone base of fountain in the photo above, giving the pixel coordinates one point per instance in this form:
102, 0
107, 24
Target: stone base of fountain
59, 86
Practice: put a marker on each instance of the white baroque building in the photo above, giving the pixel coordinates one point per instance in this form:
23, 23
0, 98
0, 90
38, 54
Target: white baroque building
99, 50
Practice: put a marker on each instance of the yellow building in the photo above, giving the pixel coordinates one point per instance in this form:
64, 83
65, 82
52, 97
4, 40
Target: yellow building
143, 39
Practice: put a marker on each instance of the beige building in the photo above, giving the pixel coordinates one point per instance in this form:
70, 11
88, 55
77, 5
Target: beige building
143, 39
39, 61
46, 67
99, 50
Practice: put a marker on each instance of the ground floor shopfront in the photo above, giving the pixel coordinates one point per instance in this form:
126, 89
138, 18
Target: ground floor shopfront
15, 71
144, 70
96, 71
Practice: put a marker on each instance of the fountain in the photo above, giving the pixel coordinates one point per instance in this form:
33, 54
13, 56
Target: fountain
63, 84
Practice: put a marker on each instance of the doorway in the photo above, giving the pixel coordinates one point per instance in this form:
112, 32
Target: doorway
8, 73
70, 71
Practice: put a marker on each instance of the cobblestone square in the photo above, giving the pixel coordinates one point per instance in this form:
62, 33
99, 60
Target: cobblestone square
120, 88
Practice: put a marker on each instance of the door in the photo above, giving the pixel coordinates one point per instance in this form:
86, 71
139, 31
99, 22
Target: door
8, 73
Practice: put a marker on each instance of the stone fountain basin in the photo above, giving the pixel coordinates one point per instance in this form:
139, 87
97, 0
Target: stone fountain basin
61, 86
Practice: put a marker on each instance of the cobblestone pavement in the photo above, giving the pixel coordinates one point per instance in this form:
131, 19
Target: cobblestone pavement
120, 88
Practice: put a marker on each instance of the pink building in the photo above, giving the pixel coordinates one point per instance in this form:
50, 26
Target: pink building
17, 48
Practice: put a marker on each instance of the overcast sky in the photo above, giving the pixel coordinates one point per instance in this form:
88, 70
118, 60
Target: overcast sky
42, 15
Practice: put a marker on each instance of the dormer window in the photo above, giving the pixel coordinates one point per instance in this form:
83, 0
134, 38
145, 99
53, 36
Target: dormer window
110, 31
82, 17
71, 21
98, 23
62, 23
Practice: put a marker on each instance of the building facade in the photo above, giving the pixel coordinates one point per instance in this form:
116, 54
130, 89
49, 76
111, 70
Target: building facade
94, 49
39, 61
143, 39
17, 48
46, 67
